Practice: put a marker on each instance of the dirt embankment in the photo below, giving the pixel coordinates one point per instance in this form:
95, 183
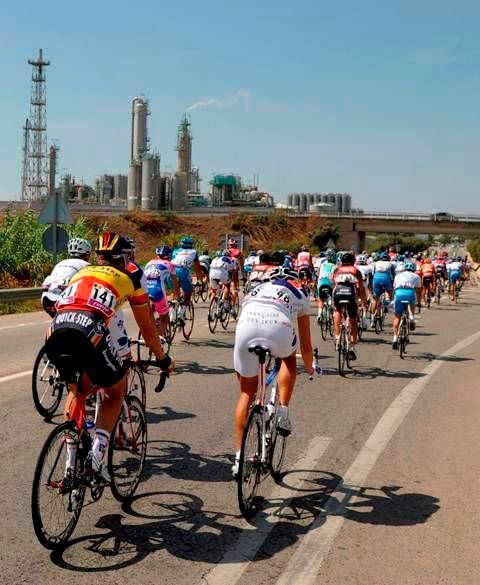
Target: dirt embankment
264, 231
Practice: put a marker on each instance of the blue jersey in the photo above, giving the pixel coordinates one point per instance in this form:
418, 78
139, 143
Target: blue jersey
184, 258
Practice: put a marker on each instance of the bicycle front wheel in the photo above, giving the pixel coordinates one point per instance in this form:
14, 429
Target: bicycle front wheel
136, 383
250, 464
47, 387
57, 496
127, 450
204, 293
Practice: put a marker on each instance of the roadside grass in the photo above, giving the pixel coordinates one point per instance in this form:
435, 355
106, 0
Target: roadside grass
8, 308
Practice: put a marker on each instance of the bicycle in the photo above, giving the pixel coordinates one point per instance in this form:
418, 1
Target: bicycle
325, 319
344, 341
218, 310
380, 314
404, 329
200, 290
176, 322
48, 388
58, 493
263, 447
438, 292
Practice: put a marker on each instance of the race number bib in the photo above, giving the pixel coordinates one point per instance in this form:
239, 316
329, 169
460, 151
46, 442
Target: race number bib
68, 295
102, 299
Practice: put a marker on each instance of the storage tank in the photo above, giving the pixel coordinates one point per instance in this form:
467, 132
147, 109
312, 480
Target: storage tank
120, 186
133, 187
290, 200
296, 200
347, 203
139, 128
148, 167
179, 198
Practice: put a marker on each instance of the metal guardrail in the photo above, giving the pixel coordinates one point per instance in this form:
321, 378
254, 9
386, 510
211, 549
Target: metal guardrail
20, 294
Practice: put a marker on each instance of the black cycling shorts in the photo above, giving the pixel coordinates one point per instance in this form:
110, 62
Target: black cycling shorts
79, 341
426, 280
305, 274
324, 292
345, 293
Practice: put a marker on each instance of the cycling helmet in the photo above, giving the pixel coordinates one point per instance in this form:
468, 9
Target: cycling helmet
131, 241
277, 259
218, 254
282, 273
226, 252
187, 242
348, 259
322, 255
304, 248
78, 247
332, 257
384, 256
260, 252
232, 242
163, 250
112, 245
458, 258
264, 258
362, 259
410, 266
253, 253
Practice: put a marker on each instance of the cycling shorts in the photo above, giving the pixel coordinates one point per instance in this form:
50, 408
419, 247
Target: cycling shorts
382, 282
427, 280
79, 341
218, 277
403, 294
324, 291
304, 273
260, 325
454, 276
185, 279
344, 293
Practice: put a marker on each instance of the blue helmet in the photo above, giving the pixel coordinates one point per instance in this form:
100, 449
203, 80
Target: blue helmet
187, 242
458, 258
163, 250
384, 256
410, 266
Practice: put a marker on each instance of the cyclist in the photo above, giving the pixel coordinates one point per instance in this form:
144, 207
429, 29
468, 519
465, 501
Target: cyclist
205, 260
221, 270
304, 265
454, 270
237, 255
325, 281
405, 285
79, 251
185, 258
268, 319
440, 267
78, 338
249, 263
383, 275
348, 284
158, 271
400, 264
260, 270
428, 279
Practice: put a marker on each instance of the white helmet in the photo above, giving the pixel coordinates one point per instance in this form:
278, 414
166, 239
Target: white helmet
362, 259
78, 247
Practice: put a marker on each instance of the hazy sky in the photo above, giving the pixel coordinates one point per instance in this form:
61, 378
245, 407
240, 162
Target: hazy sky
380, 99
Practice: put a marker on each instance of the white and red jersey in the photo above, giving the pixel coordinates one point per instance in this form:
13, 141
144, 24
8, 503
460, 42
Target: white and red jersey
348, 275
304, 260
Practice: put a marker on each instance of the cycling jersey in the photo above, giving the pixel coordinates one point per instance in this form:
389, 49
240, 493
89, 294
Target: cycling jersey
405, 284
382, 277
304, 260
102, 290
249, 263
267, 319
57, 282
325, 275
184, 259
157, 272
221, 270
406, 280
347, 280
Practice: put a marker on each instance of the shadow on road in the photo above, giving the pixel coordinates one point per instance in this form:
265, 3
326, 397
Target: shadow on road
212, 343
165, 413
370, 373
178, 523
196, 368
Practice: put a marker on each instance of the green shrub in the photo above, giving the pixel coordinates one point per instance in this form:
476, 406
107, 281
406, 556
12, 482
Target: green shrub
320, 237
474, 249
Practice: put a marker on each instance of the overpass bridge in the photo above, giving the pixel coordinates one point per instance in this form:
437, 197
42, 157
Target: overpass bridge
354, 227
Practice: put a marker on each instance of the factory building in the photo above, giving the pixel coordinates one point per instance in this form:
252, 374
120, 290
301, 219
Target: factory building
228, 190
318, 202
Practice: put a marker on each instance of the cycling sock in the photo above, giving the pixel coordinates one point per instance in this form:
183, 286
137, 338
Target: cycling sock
282, 411
237, 455
395, 337
100, 443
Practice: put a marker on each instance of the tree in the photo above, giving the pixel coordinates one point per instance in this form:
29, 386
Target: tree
320, 237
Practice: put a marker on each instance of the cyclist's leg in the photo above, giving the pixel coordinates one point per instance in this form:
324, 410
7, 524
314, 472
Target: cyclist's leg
234, 287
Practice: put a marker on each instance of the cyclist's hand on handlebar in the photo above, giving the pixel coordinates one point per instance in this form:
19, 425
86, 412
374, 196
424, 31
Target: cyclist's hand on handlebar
166, 363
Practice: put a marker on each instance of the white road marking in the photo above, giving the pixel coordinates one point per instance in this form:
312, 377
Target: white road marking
15, 376
230, 569
5, 327
305, 563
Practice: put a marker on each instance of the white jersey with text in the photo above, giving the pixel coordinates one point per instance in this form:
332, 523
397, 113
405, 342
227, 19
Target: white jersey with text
407, 279
62, 273
280, 295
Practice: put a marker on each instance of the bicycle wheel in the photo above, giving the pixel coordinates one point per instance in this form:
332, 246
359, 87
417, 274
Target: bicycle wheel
204, 293
127, 450
189, 320
213, 315
47, 387
342, 352
323, 322
225, 316
136, 383
172, 324
196, 292
236, 308
57, 497
250, 465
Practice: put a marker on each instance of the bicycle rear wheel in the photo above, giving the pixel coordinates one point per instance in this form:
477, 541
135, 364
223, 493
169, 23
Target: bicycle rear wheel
250, 465
204, 293
225, 316
196, 292
213, 315
47, 387
57, 497
342, 353
189, 320
323, 322
127, 450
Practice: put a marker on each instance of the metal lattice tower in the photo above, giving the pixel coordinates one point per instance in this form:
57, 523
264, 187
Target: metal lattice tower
35, 156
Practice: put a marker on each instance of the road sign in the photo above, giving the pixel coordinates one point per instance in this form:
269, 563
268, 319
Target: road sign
55, 211
52, 244
331, 244
242, 241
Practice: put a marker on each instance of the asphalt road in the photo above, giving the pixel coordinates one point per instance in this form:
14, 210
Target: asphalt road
381, 484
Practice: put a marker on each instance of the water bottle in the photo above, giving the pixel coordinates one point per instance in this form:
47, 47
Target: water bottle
90, 425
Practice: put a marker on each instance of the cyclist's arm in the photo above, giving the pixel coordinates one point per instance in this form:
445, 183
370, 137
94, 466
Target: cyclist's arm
144, 318
305, 342
198, 269
175, 284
